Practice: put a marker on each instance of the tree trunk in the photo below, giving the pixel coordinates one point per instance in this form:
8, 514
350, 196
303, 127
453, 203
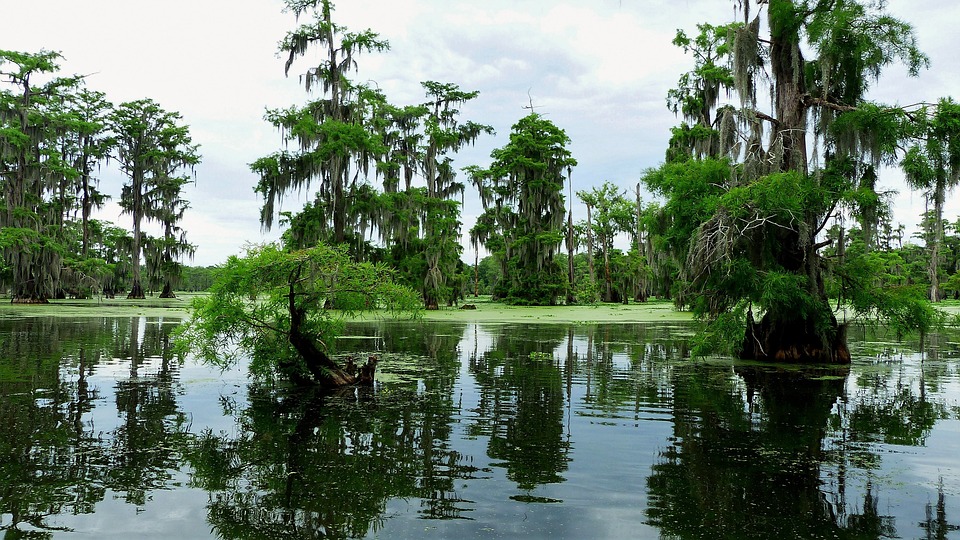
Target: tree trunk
593, 275
933, 270
167, 291
338, 169
339, 201
787, 64
607, 280
321, 369
794, 341
136, 292
640, 294
570, 266
789, 338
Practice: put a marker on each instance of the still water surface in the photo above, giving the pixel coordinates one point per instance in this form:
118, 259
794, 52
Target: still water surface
475, 431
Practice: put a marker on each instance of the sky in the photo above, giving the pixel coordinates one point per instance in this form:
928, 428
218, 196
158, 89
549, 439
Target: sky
599, 69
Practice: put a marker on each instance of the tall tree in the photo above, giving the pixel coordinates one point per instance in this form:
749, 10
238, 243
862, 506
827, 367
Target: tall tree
172, 246
332, 143
443, 134
152, 148
420, 223
871, 208
85, 146
612, 214
92, 146
33, 126
933, 164
571, 246
755, 233
399, 208
523, 220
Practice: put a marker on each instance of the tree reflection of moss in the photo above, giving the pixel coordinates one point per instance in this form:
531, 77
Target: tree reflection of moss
305, 464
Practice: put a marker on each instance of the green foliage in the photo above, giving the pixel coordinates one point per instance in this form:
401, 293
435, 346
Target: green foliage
611, 213
879, 296
932, 164
153, 148
249, 308
35, 169
587, 291
443, 134
953, 283
721, 335
332, 135
699, 91
854, 42
352, 133
631, 272
523, 219
487, 274
730, 236
779, 197
55, 135
752, 234
18, 238
871, 130
786, 296
692, 191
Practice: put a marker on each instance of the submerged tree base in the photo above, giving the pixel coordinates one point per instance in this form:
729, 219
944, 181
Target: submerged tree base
363, 374
321, 370
326, 374
796, 341
136, 292
167, 292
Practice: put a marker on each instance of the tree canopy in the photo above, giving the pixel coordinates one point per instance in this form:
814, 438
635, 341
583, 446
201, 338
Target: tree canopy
55, 136
523, 219
747, 194
273, 305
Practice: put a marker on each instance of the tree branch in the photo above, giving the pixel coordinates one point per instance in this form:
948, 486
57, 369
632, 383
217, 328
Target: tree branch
809, 100
826, 218
825, 243
767, 117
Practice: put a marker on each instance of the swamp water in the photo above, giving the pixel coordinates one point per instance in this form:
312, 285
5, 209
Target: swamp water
475, 431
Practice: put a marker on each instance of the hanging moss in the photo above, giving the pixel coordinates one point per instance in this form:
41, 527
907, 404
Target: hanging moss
747, 60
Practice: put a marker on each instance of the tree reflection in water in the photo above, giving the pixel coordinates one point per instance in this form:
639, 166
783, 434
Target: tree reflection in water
146, 446
475, 427
746, 461
54, 457
751, 451
521, 409
309, 465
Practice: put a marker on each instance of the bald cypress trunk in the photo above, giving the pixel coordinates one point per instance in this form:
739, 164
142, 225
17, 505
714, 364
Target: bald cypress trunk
933, 269
167, 291
794, 338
